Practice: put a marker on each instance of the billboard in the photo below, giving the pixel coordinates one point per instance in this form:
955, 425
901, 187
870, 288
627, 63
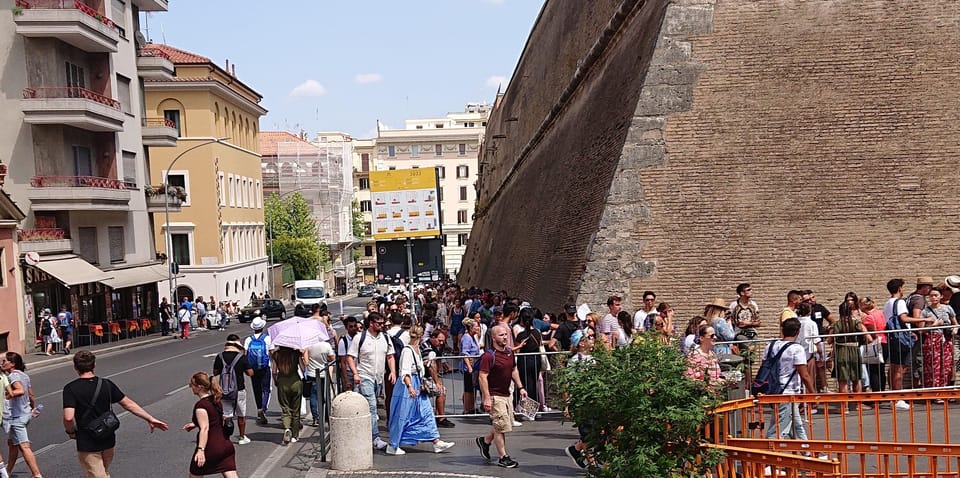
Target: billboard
404, 204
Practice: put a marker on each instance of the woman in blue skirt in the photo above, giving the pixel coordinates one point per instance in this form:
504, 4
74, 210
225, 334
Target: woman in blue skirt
411, 414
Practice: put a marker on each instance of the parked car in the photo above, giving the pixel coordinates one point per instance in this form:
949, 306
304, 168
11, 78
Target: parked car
368, 291
271, 308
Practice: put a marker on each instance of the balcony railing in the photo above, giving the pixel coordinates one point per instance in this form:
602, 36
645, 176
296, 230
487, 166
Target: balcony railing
80, 182
50, 234
153, 52
72, 4
69, 92
158, 123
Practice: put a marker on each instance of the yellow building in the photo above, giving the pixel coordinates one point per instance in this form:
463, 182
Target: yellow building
217, 232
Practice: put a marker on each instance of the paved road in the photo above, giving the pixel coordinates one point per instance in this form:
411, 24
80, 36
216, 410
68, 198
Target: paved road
155, 373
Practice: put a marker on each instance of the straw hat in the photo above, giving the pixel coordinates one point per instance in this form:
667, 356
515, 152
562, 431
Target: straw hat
953, 282
718, 303
925, 280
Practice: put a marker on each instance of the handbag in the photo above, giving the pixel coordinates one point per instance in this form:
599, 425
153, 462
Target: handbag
427, 386
872, 353
306, 386
544, 361
104, 425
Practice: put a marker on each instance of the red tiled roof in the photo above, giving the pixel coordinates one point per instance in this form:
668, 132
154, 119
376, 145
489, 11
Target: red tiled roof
273, 143
177, 55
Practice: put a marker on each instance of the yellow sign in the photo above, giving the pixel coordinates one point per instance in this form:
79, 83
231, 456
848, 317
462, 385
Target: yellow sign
404, 204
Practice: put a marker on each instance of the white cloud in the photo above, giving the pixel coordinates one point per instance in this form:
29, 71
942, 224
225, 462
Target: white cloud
309, 88
368, 78
497, 81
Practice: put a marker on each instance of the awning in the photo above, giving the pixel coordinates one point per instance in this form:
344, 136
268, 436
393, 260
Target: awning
73, 271
137, 276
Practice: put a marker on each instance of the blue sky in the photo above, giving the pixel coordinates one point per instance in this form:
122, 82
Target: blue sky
342, 65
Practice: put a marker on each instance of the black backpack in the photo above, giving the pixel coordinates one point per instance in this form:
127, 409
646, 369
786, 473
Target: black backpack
767, 380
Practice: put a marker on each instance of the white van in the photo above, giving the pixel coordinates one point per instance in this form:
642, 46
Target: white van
309, 292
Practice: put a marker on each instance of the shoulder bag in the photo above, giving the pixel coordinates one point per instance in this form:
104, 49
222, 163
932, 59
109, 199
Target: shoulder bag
872, 353
105, 424
427, 386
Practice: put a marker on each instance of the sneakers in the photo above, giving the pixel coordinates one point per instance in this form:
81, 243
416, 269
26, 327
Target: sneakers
901, 405
379, 444
507, 462
243, 440
395, 451
444, 423
294, 439
261, 418
517, 424
439, 446
287, 435
484, 448
576, 456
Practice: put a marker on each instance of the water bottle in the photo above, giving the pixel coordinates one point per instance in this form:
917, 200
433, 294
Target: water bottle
37, 409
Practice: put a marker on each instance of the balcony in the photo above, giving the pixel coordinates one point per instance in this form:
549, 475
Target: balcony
159, 132
69, 21
157, 201
152, 5
79, 193
74, 106
154, 64
44, 241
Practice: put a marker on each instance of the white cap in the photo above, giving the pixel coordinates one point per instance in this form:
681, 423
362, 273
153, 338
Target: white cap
258, 324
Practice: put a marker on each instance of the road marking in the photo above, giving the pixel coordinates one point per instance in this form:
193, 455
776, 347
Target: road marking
49, 447
268, 464
135, 368
211, 355
172, 392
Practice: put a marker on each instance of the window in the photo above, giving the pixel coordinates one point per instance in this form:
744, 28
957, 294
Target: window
259, 193
173, 116
461, 240
365, 206
484, 124
440, 194
76, 78
88, 244
365, 162
364, 184
130, 167
415, 151
462, 149
462, 216
443, 240
438, 126
179, 180
221, 180
367, 250
117, 251
392, 151
441, 216
463, 172
392, 168
415, 167
231, 191
244, 196
181, 248
3, 267
367, 229
123, 94
419, 126
438, 149
83, 161
443, 171
463, 193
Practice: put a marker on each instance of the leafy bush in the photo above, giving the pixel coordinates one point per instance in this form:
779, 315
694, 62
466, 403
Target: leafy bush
646, 415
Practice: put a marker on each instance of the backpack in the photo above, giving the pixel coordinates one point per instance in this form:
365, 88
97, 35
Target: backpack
45, 327
228, 377
398, 346
905, 338
257, 354
767, 380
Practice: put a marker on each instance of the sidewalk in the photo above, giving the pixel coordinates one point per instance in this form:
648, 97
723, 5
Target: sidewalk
37, 359
538, 447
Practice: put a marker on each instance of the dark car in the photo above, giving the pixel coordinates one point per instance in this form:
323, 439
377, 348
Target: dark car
368, 291
270, 308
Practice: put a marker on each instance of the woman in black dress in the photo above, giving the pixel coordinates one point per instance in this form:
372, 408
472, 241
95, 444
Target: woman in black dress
214, 453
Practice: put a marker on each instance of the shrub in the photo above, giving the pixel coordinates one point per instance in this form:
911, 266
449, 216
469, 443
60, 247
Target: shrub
646, 415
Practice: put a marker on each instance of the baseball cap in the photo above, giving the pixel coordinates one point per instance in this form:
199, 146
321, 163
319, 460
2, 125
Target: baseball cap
570, 308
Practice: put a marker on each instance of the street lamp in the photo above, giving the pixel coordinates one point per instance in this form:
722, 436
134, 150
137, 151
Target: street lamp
166, 211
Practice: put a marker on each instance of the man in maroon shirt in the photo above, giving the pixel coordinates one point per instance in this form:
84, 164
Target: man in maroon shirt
497, 369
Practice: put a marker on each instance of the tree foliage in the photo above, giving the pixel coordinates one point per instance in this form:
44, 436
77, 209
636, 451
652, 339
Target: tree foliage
646, 416
293, 231
356, 221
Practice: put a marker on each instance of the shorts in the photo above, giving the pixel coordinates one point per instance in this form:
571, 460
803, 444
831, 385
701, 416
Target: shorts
501, 412
899, 353
469, 381
67, 336
16, 429
236, 408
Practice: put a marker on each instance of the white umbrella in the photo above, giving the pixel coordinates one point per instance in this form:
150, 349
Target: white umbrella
298, 333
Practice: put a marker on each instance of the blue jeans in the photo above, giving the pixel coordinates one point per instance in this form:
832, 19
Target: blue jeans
316, 396
371, 390
791, 422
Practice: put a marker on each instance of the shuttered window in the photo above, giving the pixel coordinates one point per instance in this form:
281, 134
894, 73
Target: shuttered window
88, 244
117, 251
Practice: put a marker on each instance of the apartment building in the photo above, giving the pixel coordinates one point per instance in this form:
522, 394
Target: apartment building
72, 136
450, 144
364, 150
216, 234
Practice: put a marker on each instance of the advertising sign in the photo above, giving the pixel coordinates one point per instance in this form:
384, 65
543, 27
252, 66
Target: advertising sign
404, 204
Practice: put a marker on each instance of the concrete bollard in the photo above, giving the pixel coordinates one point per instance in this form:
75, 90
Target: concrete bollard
351, 440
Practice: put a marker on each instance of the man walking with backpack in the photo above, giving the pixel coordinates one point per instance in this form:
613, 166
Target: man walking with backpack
901, 343
790, 371
258, 350
368, 353
231, 366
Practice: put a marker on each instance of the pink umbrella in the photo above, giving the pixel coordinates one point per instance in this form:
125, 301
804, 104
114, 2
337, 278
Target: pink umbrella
298, 333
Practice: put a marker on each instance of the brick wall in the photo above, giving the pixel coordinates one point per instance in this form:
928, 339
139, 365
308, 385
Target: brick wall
790, 144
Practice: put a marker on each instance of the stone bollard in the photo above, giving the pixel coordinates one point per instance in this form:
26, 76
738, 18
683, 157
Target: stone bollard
351, 440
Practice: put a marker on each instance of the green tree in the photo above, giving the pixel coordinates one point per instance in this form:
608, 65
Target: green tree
646, 416
293, 231
359, 231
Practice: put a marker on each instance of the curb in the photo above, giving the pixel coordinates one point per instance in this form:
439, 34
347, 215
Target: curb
61, 358
326, 473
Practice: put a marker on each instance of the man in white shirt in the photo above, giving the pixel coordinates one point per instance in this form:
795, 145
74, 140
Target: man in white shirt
368, 354
788, 422
809, 338
896, 310
608, 325
640, 321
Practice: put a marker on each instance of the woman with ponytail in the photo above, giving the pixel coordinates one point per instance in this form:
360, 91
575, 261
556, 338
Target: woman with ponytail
214, 453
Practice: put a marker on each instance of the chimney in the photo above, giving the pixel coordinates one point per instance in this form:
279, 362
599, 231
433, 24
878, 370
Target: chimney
228, 65
234, 70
